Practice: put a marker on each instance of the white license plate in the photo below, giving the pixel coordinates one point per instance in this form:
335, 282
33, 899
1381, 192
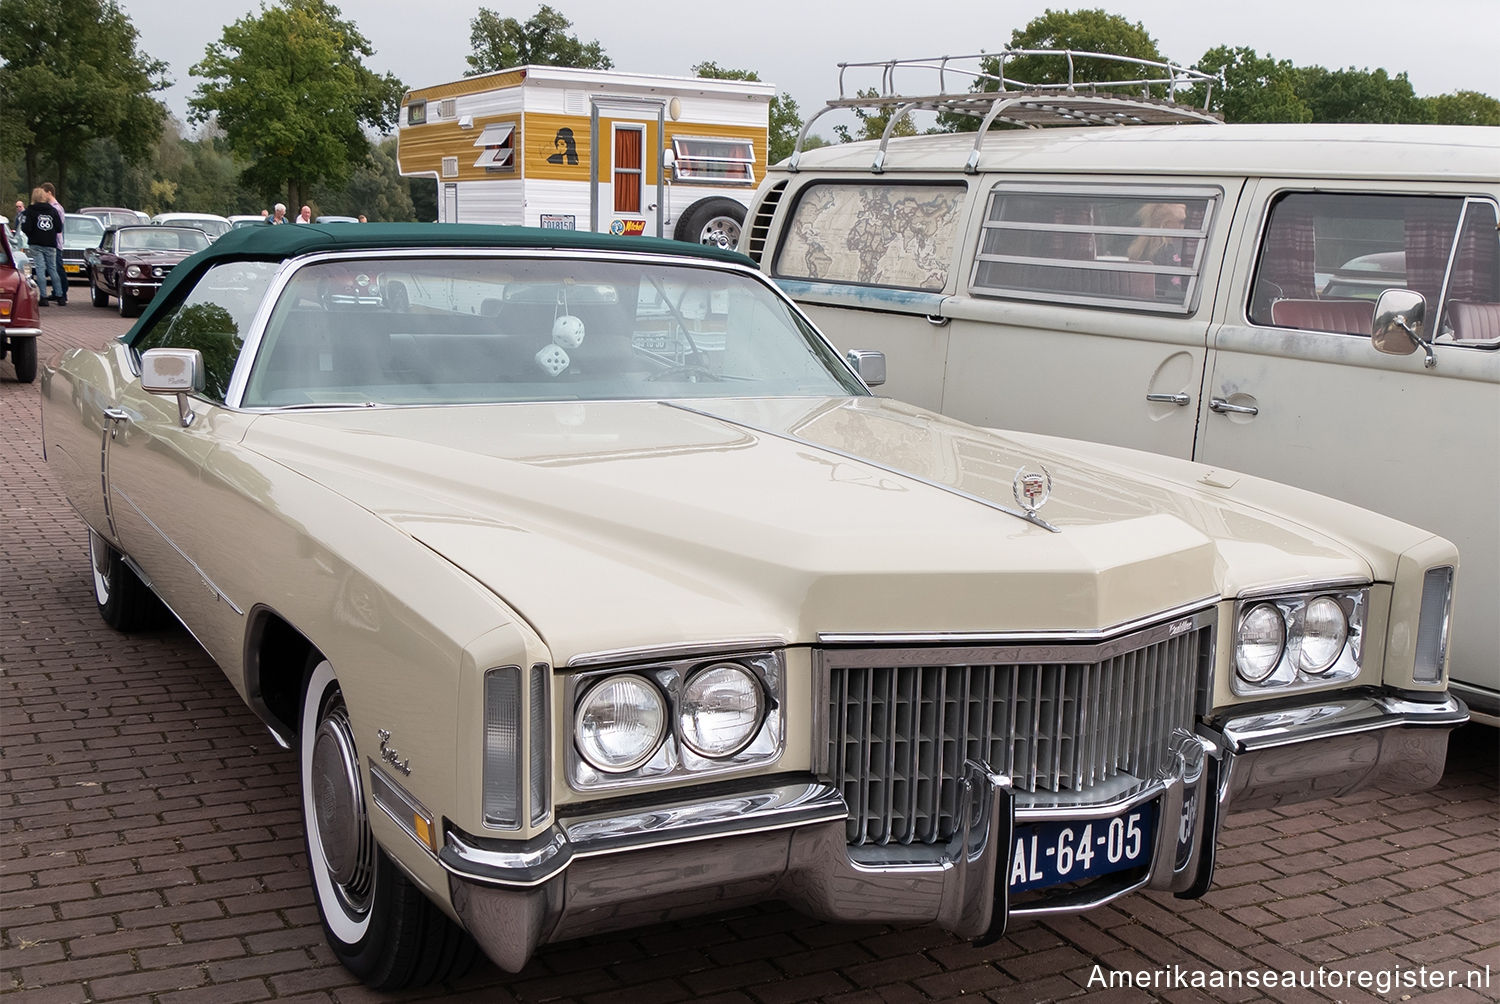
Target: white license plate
1047, 854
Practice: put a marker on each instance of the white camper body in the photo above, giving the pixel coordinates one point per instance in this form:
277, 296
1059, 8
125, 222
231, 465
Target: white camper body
622, 153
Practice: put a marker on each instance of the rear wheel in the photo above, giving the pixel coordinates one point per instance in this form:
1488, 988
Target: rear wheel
23, 358
380, 925
124, 601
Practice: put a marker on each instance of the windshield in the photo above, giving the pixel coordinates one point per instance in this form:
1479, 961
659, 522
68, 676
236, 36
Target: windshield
161, 239
82, 232
466, 330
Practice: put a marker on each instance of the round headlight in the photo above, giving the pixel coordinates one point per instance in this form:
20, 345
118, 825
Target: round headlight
1324, 631
134, 271
1258, 646
720, 710
620, 723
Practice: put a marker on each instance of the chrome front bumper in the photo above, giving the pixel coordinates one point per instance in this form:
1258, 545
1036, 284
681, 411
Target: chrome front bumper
617, 870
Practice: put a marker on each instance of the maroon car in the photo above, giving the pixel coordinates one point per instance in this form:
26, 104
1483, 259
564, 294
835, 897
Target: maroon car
20, 309
130, 263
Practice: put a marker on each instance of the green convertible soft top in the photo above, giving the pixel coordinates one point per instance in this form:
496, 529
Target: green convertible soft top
277, 243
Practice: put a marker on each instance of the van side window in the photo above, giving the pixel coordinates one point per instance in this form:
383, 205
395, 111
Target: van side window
877, 233
1128, 248
1326, 257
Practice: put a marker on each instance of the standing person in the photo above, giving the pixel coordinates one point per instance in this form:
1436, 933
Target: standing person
41, 228
278, 214
20, 214
62, 221
306, 215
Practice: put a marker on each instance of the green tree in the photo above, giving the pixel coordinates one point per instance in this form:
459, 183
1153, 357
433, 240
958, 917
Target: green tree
293, 96
785, 116
542, 40
71, 72
1463, 108
1358, 96
1255, 88
376, 189
1082, 31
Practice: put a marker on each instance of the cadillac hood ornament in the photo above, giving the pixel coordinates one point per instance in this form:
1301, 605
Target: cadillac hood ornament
1032, 488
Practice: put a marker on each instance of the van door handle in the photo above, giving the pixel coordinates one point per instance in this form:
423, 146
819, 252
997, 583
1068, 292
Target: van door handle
1181, 399
1223, 407
936, 321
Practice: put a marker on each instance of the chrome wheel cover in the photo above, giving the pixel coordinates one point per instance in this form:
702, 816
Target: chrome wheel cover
721, 231
341, 848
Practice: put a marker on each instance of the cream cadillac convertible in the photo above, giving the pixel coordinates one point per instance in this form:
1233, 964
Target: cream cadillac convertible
594, 589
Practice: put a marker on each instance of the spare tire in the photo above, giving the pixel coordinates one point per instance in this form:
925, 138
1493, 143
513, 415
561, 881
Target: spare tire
716, 222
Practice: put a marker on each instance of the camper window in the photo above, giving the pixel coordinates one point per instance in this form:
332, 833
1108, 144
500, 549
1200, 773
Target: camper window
416, 113
726, 160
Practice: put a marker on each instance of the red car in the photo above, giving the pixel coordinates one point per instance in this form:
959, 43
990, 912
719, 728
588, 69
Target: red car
131, 262
20, 309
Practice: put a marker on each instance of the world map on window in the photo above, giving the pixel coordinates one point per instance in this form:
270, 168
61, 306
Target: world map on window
878, 234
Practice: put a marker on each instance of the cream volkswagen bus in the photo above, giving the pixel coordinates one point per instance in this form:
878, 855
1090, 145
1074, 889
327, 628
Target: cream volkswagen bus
1317, 304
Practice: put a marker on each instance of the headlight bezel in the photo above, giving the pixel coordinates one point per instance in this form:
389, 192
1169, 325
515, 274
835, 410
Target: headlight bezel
673, 757
1290, 671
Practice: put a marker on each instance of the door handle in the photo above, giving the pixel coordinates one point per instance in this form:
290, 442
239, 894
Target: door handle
936, 321
1223, 407
1181, 399
115, 416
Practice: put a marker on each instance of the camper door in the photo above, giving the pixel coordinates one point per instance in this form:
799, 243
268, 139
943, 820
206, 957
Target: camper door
626, 180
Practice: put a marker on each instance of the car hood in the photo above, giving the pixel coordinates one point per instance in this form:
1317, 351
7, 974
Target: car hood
154, 255
613, 525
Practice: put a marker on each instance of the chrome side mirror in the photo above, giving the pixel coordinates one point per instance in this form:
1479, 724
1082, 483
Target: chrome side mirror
173, 371
1400, 323
869, 364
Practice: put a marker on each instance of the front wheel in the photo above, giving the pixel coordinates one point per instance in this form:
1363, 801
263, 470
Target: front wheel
128, 305
23, 357
99, 297
715, 222
381, 927
124, 601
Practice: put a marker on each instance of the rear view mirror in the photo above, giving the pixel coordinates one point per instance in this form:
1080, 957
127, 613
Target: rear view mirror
173, 371
1400, 321
869, 364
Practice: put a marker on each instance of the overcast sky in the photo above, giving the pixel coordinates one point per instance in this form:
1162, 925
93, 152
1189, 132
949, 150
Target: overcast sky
1442, 45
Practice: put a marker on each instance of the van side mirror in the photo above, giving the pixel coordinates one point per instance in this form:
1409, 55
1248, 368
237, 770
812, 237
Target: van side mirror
173, 371
869, 364
1400, 323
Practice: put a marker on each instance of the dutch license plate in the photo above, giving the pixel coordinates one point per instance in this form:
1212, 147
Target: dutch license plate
72, 268
1048, 854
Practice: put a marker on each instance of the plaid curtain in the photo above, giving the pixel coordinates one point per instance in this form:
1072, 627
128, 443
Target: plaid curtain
1430, 226
1476, 267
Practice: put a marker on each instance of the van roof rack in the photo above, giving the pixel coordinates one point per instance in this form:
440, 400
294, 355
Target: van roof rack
991, 96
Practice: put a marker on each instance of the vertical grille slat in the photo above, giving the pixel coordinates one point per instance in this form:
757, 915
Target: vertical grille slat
901, 727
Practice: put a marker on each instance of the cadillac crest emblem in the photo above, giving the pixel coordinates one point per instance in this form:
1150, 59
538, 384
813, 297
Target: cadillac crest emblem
1032, 488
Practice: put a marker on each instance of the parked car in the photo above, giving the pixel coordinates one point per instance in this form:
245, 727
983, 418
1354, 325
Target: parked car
245, 220
597, 589
116, 216
20, 309
1010, 281
336, 219
214, 226
80, 233
131, 263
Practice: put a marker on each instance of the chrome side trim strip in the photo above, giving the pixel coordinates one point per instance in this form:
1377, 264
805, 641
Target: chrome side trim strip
1013, 637
656, 653
173, 545
1031, 518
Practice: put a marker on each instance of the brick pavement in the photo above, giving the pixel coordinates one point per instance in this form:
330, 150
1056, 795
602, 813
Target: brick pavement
150, 847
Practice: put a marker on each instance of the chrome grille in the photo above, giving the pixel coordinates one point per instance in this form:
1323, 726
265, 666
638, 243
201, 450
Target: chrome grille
1057, 718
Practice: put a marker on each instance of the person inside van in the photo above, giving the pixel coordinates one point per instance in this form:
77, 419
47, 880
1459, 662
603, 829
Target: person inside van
1160, 249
